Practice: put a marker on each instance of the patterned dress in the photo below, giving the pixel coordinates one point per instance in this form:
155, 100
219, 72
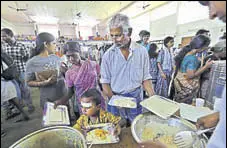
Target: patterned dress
153, 71
104, 117
166, 61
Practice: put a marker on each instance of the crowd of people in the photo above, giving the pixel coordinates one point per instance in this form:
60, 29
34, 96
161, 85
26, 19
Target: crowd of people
127, 69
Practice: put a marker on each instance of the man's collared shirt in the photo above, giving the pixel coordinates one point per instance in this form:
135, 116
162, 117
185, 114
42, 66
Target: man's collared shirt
125, 75
18, 52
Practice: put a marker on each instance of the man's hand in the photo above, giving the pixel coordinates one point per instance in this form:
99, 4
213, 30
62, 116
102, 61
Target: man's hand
152, 144
208, 121
59, 102
117, 130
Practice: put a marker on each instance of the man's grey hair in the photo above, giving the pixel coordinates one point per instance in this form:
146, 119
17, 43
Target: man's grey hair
120, 21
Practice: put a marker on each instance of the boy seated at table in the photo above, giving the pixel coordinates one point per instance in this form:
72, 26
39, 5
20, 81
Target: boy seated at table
93, 114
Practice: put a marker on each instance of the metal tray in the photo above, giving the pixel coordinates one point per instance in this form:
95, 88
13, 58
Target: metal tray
140, 122
51, 137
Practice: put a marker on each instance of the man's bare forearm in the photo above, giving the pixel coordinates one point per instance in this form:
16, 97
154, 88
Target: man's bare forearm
148, 87
107, 90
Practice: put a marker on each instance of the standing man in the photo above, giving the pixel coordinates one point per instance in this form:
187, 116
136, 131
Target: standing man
125, 68
20, 54
218, 139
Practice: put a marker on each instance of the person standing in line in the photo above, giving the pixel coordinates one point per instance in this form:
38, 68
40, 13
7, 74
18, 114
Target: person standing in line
125, 68
43, 70
20, 54
218, 139
165, 66
145, 38
153, 63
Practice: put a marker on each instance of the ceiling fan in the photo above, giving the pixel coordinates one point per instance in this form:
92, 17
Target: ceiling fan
143, 5
18, 9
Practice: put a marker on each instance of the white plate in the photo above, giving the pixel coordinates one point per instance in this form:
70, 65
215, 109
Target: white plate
192, 113
160, 106
120, 101
58, 116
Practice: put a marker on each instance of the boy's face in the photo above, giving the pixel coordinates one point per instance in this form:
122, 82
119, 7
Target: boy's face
89, 108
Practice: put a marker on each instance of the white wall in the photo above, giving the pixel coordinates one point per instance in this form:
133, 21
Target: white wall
163, 27
67, 31
85, 32
102, 30
138, 24
25, 29
191, 28
6, 24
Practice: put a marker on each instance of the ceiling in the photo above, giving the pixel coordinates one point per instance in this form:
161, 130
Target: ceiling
67, 12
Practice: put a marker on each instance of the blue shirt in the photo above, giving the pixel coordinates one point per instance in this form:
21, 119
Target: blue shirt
125, 75
147, 46
165, 58
190, 62
218, 139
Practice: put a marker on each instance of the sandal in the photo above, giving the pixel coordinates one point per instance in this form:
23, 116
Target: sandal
11, 115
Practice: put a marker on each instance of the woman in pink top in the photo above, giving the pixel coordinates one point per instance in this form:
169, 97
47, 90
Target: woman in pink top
81, 76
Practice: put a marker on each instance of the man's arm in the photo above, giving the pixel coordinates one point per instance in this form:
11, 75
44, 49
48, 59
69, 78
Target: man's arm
107, 90
106, 77
148, 87
208, 121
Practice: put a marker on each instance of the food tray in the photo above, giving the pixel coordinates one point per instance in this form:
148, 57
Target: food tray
193, 113
51, 137
58, 116
111, 139
142, 120
120, 101
160, 106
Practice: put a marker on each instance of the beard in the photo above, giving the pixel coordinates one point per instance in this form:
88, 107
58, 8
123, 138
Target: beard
125, 44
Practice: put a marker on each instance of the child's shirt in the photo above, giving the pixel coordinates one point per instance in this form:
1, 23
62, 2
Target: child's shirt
104, 117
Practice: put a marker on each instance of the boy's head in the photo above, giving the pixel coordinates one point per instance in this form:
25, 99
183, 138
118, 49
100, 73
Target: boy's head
91, 102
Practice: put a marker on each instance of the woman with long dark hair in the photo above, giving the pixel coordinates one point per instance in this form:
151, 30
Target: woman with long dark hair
43, 70
189, 68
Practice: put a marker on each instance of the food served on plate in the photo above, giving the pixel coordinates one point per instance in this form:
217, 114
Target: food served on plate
101, 136
125, 102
